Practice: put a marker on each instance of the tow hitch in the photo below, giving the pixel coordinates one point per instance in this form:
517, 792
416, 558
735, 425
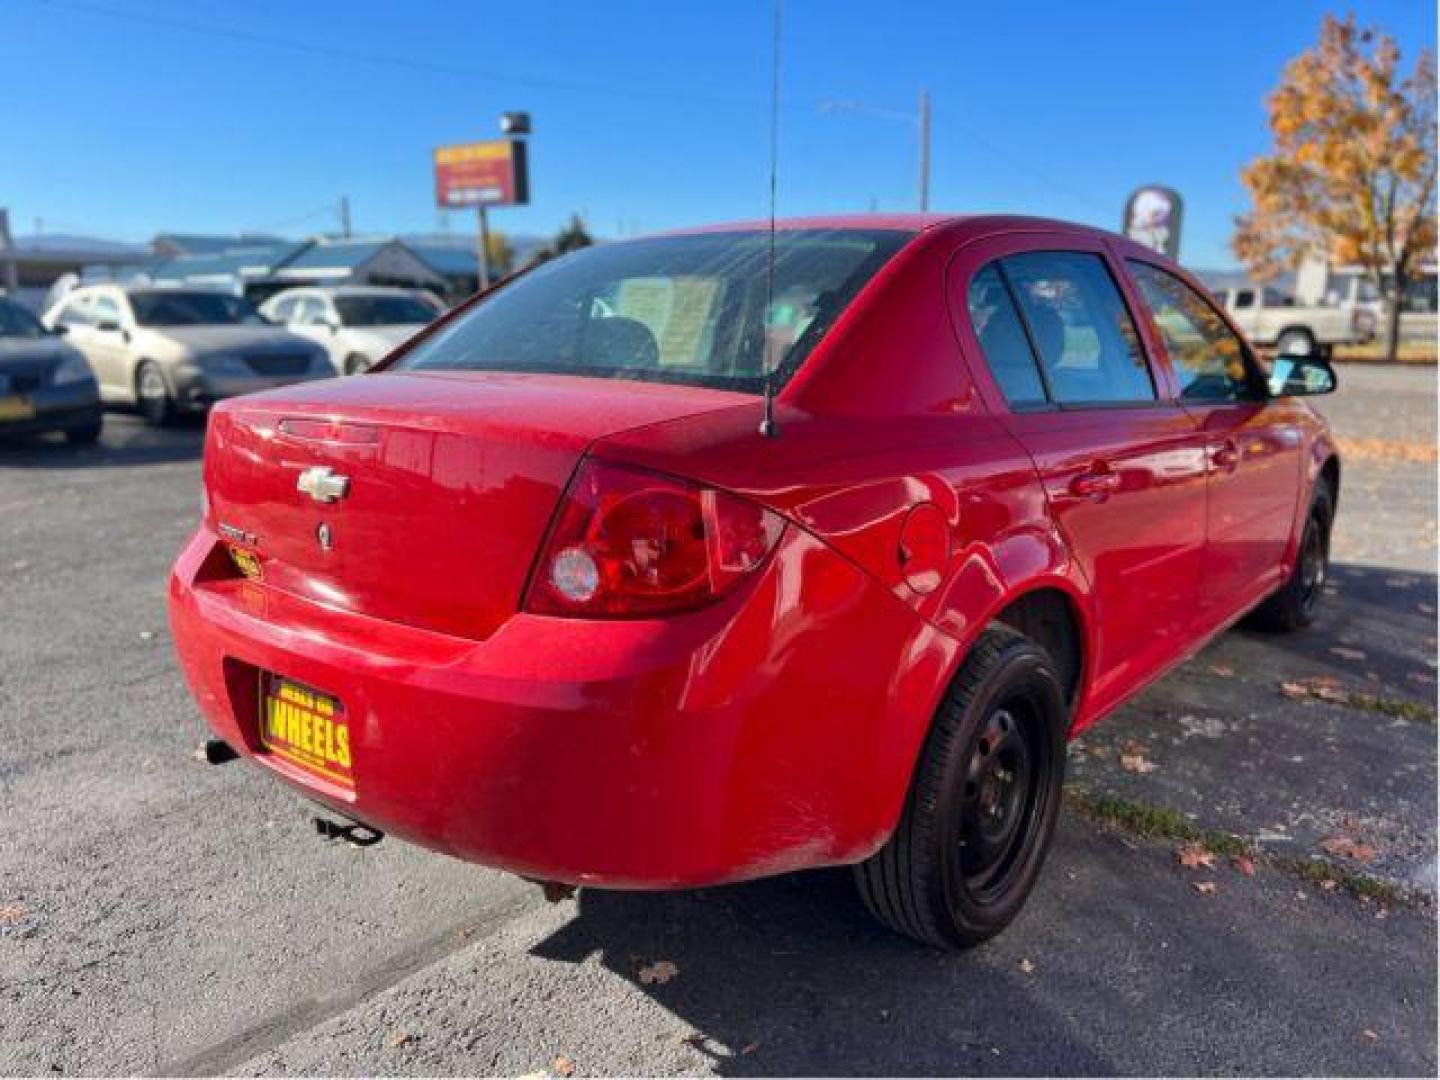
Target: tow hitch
354, 833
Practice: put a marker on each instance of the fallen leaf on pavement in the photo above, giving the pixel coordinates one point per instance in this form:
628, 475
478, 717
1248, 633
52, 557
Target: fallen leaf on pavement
1204, 888
1223, 670
1194, 855
1347, 653
11, 913
1026, 965
563, 1066
660, 972
1329, 885
1347, 848
1244, 864
1136, 763
1369, 1036
397, 1039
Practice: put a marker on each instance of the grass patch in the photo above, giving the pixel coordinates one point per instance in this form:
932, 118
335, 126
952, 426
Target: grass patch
1317, 872
1155, 822
1398, 708
1162, 823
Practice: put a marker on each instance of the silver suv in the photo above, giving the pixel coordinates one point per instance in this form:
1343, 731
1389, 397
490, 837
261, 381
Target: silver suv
172, 351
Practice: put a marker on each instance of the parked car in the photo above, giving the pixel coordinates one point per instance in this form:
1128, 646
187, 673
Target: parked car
173, 351
45, 384
357, 325
705, 557
1273, 320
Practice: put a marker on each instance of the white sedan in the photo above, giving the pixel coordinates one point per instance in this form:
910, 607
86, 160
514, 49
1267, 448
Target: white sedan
357, 325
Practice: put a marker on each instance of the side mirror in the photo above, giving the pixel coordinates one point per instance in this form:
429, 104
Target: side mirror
60, 329
1301, 376
110, 326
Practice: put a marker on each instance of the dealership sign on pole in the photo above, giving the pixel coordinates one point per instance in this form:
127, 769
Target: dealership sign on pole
1153, 216
489, 173
483, 174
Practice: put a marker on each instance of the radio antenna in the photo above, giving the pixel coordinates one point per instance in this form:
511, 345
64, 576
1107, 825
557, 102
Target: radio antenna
767, 422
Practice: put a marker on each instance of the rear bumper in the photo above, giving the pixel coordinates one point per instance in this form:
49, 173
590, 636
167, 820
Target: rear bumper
58, 408
770, 732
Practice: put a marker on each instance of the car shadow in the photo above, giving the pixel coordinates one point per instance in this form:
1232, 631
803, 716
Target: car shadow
792, 976
125, 441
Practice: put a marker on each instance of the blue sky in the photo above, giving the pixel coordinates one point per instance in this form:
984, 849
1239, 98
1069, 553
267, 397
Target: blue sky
122, 120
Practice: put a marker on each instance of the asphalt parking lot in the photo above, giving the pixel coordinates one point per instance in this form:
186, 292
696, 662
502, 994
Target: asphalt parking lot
160, 915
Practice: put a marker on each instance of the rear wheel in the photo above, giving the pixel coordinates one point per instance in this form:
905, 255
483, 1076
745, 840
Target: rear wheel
152, 395
981, 812
1294, 605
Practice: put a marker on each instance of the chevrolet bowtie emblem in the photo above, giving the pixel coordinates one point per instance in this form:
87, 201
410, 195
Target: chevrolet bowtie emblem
323, 484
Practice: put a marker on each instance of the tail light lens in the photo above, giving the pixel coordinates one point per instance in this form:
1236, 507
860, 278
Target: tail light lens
628, 542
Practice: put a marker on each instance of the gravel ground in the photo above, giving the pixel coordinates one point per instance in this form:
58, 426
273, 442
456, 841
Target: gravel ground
159, 915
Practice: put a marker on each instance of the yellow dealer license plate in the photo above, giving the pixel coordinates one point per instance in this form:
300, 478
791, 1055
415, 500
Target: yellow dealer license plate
13, 407
306, 728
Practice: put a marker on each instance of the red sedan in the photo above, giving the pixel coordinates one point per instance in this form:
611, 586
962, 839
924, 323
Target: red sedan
722, 554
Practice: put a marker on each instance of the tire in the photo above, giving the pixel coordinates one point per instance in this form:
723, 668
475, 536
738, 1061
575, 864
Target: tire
86, 435
152, 395
355, 364
1294, 605
983, 802
1296, 341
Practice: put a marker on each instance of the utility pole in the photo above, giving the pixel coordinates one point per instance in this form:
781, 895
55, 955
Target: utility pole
924, 150
345, 216
484, 252
11, 278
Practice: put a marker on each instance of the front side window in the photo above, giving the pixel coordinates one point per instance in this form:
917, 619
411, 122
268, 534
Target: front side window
176, 307
703, 309
380, 309
76, 312
105, 311
1002, 338
1209, 359
1085, 338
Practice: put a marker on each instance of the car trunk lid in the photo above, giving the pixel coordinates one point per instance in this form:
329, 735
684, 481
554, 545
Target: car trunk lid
426, 495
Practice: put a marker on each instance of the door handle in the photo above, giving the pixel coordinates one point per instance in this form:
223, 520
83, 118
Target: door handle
1227, 456
1096, 484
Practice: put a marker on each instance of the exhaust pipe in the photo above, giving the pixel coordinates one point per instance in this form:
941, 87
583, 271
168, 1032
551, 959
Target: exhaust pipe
217, 752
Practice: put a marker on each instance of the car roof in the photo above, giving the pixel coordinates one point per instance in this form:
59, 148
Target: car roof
976, 224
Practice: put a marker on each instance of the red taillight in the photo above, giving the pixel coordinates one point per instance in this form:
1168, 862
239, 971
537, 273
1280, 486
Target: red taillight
629, 542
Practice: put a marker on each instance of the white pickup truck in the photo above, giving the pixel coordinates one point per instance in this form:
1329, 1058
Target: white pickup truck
1273, 320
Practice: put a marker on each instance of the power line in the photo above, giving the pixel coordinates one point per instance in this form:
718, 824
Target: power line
255, 37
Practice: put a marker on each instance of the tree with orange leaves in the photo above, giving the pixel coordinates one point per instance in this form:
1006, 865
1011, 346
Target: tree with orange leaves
1352, 174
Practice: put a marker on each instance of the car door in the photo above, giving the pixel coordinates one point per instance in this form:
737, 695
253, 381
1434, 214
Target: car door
76, 316
1253, 444
314, 320
1122, 464
109, 351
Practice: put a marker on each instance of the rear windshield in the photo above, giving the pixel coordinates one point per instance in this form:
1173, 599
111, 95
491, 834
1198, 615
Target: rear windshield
700, 309
176, 308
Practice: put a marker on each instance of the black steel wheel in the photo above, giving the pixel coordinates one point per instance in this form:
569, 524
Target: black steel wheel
1294, 605
983, 802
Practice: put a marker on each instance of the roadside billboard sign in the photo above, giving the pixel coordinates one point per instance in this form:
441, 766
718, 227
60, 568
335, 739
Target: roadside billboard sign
1153, 216
491, 173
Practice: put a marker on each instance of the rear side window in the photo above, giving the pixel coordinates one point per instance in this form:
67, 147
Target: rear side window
1207, 356
1086, 341
1002, 338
